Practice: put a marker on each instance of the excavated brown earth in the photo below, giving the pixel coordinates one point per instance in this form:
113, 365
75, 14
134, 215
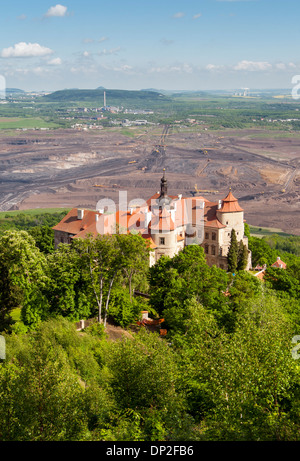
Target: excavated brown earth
60, 169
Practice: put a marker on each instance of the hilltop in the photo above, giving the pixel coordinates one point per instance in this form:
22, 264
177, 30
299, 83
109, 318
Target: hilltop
113, 97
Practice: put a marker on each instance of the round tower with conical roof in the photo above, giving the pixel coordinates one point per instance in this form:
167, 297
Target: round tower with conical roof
231, 215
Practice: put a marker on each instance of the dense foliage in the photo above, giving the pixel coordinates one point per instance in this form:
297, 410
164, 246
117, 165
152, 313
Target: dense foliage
225, 370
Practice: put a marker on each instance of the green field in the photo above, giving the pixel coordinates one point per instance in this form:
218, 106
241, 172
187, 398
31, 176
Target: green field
262, 231
9, 123
32, 212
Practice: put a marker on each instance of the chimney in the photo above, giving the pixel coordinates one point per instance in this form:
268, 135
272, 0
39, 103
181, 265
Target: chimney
173, 214
96, 217
179, 196
220, 204
80, 213
148, 216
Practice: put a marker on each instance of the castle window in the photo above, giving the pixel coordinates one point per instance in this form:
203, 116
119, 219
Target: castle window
227, 223
206, 235
206, 247
162, 241
213, 250
214, 236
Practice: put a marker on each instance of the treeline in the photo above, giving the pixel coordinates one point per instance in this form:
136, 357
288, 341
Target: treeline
265, 250
38, 225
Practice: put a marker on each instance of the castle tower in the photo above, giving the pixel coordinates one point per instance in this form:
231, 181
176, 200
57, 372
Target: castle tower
231, 215
163, 200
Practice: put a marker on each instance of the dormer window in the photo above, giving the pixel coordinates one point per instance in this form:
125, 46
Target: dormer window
162, 240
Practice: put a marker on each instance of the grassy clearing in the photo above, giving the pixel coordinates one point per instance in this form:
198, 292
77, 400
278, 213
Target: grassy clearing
35, 211
262, 231
7, 123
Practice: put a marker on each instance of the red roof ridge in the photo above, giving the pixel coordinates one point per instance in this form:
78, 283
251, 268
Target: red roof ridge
230, 204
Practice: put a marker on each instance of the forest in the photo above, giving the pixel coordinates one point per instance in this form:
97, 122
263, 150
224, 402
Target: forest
226, 370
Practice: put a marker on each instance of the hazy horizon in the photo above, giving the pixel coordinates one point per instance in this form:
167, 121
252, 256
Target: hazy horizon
128, 45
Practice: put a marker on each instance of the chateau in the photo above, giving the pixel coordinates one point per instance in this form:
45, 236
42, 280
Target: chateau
167, 222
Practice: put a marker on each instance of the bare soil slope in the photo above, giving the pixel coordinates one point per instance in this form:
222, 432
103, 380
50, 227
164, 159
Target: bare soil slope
61, 168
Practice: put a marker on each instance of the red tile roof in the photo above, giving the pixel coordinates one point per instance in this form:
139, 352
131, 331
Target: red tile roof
72, 225
280, 264
162, 221
230, 204
210, 216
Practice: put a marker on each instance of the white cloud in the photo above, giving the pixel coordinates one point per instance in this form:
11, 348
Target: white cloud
125, 68
280, 66
253, 66
196, 16
109, 52
86, 54
55, 62
25, 50
178, 15
102, 39
57, 10
213, 67
177, 68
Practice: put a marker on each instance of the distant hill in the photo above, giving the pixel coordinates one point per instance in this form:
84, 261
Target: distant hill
113, 97
14, 90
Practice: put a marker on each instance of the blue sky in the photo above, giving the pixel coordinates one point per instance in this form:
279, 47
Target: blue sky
176, 45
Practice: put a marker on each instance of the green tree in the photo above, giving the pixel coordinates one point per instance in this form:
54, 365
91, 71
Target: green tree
52, 387
101, 259
232, 257
242, 256
247, 230
144, 382
69, 290
44, 238
23, 276
134, 260
187, 275
242, 385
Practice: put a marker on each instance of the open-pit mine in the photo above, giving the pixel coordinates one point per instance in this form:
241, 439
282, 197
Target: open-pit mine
69, 168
